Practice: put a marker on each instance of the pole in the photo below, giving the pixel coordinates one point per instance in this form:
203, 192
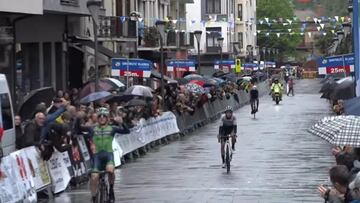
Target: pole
198, 44
344, 68
127, 72
221, 58
162, 71
96, 57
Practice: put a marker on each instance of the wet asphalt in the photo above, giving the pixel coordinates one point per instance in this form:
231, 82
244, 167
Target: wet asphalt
276, 160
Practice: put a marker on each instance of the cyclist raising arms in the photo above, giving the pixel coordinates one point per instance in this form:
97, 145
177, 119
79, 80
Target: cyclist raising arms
102, 135
227, 127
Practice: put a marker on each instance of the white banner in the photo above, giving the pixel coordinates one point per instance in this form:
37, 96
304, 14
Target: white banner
148, 131
58, 171
11, 186
39, 169
27, 175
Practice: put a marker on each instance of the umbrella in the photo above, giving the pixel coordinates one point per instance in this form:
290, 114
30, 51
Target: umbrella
195, 88
352, 106
343, 90
34, 98
136, 102
339, 130
328, 86
139, 90
194, 77
115, 83
183, 81
95, 96
90, 88
219, 74
198, 82
219, 81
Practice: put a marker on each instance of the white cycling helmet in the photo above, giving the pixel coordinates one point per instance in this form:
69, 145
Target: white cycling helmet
229, 109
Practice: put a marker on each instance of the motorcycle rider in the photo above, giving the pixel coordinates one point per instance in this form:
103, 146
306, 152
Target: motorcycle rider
276, 87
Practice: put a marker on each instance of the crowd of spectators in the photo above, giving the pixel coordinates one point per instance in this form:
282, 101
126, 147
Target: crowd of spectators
56, 125
344, 177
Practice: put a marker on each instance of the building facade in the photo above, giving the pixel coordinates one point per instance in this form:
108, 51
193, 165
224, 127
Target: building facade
233, 20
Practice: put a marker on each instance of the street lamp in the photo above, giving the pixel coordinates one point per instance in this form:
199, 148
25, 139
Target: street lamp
220, 41
198, 34
94, 9
160, 25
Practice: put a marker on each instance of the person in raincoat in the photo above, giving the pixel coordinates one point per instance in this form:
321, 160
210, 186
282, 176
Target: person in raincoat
276, 87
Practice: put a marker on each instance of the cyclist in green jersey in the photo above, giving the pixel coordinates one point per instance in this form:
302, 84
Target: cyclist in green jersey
102, 136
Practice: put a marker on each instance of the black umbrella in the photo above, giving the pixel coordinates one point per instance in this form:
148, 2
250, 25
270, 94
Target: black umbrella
136, 102
328, 86
35, 97
95, 96
344, 90
183, 81
219, 74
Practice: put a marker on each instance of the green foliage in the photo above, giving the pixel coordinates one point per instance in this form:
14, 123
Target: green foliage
323, 43
278, 9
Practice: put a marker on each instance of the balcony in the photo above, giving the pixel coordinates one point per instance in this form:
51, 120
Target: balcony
75, 7
186, 40
114, 28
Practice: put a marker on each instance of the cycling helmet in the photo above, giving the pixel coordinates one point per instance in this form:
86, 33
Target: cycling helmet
103, 111
229, 109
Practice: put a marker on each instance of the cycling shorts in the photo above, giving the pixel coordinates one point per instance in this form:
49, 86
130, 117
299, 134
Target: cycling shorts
101, 160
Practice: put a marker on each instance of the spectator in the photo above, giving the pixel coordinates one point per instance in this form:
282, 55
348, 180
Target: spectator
32, 132
339, 177
19, 132
354, 186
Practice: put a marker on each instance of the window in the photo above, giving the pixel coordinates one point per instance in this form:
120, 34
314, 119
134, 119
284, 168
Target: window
69, 2
213, 6
241, 40
6, 114
211, 38
240, 11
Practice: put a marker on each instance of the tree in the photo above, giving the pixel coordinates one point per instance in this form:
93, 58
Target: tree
280, 10
324, 42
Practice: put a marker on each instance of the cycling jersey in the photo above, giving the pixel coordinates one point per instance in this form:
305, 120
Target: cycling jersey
228, 125
254, 94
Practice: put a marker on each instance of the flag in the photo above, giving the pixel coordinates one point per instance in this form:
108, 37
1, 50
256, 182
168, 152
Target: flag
122, 18
278, 35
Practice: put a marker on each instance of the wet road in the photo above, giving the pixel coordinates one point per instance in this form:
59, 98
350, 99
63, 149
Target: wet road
276, 160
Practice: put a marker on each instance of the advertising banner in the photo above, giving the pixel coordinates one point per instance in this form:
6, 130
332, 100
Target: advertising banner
336, 64
40, 172
180, 65
224, 65
148, 131
59, 172
131, 67
356, 41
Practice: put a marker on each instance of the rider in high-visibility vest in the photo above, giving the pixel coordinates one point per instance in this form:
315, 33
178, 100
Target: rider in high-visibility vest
276, 87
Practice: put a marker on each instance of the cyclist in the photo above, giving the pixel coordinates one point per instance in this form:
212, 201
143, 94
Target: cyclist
254, 99
227, 127
102, 136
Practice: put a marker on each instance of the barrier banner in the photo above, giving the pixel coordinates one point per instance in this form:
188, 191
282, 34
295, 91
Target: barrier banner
11, 186
41, 176
26, 175
148, 131
84, 153
118, 152
58, 171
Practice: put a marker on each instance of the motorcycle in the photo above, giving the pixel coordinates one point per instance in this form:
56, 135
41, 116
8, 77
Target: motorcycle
277, 97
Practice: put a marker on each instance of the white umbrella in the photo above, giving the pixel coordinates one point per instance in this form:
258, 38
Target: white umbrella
139, 90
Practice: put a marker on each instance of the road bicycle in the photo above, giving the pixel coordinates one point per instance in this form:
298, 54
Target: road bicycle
102, 194
228, 152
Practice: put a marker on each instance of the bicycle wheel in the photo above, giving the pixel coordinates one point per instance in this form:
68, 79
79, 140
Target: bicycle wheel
104, 195
227, 158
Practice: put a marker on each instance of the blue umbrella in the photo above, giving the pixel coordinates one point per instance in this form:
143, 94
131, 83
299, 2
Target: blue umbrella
352, 106
95, 96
